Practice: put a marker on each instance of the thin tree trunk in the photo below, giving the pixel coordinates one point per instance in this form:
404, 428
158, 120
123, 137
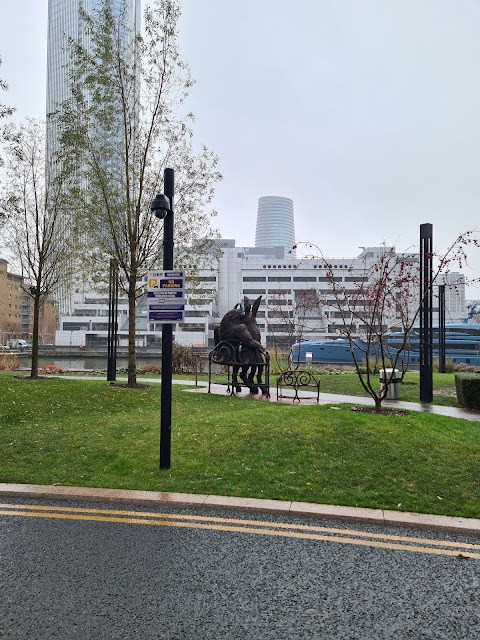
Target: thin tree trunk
36, 316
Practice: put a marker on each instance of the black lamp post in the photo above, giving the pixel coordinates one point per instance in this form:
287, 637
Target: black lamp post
426, 335
112, 322
441, 328
162, 207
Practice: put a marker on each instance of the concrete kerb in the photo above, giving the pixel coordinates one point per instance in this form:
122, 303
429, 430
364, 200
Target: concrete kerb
281, 507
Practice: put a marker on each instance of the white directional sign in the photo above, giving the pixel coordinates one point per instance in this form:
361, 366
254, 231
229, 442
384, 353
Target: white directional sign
166, 296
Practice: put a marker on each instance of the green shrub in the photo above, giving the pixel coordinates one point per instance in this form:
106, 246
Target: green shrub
467, 386
183, 359
449, 366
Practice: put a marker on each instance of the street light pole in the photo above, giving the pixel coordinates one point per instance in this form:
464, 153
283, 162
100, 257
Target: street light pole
426, 340
112, 322
441, 328
162, 206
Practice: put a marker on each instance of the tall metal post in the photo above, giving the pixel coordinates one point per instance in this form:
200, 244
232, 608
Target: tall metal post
426, 346
167, 332
112, 322
441, 328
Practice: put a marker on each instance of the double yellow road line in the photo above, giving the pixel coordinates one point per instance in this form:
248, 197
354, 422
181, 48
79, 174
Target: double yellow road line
255, 527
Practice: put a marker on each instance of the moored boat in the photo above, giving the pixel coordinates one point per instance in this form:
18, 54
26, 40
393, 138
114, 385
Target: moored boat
462, 346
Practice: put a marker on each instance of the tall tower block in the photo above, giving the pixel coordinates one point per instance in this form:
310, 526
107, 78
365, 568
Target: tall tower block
64, 22
275, 223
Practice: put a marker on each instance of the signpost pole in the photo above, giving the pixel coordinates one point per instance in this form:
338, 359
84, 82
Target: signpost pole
167, 333
166, 305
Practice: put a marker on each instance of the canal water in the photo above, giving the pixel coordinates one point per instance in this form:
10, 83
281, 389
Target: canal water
86, 363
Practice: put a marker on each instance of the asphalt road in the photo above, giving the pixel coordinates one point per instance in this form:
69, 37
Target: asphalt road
116, 571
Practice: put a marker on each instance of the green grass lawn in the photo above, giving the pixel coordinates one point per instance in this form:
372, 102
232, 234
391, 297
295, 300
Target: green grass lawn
88, 433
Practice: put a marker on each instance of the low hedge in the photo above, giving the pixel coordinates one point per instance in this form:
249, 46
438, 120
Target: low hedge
467, 386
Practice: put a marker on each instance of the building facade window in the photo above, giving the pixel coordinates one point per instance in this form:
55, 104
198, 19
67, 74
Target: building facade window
278, 303
99, 326
282, 328
254, 292
76, 326
304, 279
335, 279
281, 292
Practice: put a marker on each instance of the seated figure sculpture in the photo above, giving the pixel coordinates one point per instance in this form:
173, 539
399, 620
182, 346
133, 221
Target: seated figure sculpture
240, 324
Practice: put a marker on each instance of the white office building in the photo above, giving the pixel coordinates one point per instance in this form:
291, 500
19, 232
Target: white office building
296, 299
296, 293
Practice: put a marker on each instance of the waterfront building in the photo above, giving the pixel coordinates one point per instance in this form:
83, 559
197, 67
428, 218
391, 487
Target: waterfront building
296, 299
296, 295
16, 310
14, 318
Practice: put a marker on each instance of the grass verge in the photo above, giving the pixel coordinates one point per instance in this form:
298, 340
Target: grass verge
88, 433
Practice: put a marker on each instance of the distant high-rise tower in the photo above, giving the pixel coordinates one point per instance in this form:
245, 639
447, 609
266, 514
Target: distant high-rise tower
275, 223
64, 22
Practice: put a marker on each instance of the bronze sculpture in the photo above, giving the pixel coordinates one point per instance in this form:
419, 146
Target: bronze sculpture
239, 328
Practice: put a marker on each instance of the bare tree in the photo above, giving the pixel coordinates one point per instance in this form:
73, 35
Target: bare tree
124, 123
33, 200
381, 297
290, 320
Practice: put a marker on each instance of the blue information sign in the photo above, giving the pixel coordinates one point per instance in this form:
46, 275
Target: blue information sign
166, 296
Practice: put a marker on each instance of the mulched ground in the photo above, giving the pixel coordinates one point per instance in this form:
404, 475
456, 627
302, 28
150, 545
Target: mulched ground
130, 386
382, 412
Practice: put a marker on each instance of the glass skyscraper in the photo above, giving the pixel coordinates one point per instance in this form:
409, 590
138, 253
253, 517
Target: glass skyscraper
64, 23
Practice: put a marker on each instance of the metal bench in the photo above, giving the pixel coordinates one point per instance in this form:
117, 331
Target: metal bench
297, 379
233, 355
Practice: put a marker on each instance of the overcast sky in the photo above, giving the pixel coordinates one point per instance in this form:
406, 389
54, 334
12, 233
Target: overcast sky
365, 112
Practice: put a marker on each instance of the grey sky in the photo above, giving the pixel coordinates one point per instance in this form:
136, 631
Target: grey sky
364, 112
